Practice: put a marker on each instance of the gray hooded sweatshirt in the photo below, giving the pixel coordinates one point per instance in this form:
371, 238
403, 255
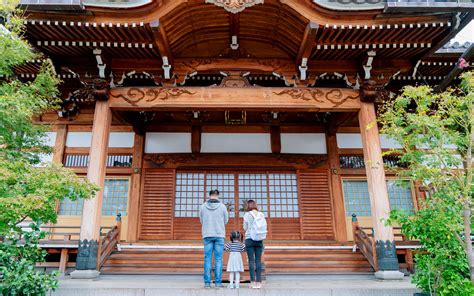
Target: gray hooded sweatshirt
213, 216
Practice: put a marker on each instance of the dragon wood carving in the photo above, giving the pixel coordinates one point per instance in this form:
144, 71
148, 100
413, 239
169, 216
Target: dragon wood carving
335, 96
135, 95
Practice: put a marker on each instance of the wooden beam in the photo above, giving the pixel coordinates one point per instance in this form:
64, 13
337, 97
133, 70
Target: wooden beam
374, 167
135, 191
239, 98
308, 42
161, 40
91, 213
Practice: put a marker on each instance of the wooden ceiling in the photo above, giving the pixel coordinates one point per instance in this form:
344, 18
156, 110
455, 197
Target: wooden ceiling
196, 37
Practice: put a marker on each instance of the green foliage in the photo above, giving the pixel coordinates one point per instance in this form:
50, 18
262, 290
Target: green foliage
27, 191
17, 264
435, 132
32, 192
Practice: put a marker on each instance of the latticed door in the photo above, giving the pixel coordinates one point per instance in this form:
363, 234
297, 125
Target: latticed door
180, 194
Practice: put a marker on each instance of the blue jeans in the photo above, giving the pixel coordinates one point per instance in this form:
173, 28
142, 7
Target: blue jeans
213, 245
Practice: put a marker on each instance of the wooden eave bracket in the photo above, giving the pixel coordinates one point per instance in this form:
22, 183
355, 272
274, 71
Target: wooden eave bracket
307, 44
161, 41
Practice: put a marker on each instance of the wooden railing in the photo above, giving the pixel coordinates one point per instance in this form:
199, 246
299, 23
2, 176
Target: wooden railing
365, 242
108, 243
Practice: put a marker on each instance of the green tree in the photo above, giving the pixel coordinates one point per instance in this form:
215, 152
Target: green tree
435, 131
28, 190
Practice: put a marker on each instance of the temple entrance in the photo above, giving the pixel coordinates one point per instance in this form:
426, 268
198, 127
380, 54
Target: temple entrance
297, 205
276, 194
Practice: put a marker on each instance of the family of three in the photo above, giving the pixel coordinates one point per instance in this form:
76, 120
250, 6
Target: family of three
214, 216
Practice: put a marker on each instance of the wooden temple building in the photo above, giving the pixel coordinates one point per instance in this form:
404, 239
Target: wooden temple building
271, 100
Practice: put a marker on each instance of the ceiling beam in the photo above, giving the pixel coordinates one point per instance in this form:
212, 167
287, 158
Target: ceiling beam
308, 42
161, 41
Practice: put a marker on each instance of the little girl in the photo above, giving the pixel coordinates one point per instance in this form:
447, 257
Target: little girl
235, 265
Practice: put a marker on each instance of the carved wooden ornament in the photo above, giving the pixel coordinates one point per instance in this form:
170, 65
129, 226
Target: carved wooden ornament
234, 6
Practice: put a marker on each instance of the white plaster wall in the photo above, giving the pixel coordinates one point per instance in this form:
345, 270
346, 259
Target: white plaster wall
121, 140
168, 143
79, 139
310, 143
235, 143
49, 139
116, 139
355, 141
349, 140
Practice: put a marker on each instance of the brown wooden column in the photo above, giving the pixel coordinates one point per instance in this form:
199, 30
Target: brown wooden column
90, 223
134, 200
60, 143
339, 215
59, 147
379, 201
91, 212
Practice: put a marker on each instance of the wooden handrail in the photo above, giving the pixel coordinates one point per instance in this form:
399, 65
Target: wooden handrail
365, 242
108, 243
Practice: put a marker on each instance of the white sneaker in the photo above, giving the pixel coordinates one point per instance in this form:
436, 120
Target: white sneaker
237, 287
231, 286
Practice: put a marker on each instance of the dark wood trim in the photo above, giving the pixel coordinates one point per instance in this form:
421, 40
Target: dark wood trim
196, 139
275, 138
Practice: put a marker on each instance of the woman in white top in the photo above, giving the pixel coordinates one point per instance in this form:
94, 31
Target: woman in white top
254, 248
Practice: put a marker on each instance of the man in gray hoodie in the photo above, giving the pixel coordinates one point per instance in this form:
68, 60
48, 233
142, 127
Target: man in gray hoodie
213, 216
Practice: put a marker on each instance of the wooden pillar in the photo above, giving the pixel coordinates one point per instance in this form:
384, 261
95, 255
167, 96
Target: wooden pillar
135, 192
90, 225
339, 214
275, 137
91, 212
379, 201
58, 152
196, 139
60, 143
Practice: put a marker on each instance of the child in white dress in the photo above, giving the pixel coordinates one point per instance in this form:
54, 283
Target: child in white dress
235, 265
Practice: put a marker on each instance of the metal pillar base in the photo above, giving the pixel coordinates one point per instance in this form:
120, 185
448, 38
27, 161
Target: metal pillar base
87, 255
387, 256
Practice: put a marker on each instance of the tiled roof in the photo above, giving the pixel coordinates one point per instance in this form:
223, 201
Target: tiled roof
351, 4
454, 47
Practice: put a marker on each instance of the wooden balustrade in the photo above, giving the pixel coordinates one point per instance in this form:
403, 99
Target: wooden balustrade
108, 243
63, 240
365, 242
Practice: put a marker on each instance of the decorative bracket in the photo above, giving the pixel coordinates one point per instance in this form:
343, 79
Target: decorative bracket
235, 6
100, 63
166, 68
368, 65
303, 68
235, 44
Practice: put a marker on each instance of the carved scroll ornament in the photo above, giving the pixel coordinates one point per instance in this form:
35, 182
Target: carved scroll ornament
163, 159
134, 95
335, 96
235, 6
312, 161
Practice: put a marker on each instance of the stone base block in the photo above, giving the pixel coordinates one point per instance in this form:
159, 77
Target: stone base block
85, 274
389, 275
